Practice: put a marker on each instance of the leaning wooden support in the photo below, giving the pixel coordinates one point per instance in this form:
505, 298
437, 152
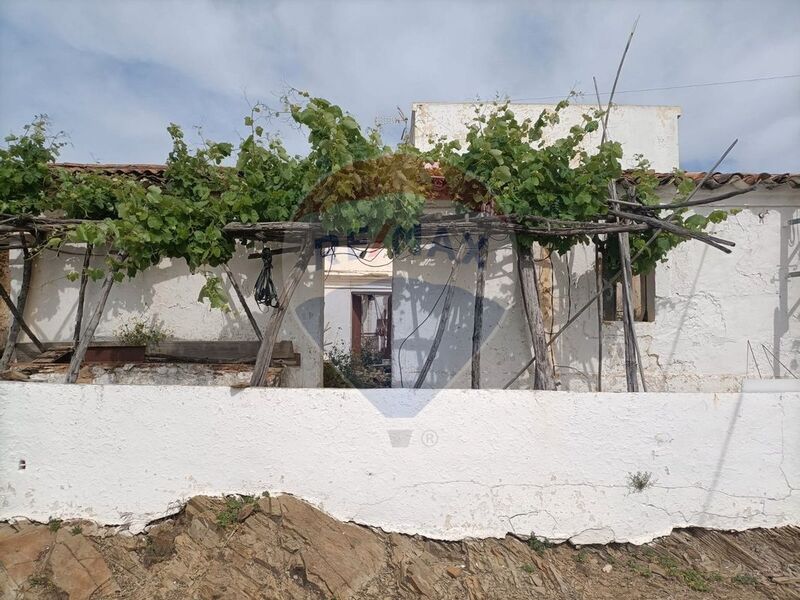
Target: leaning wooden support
477, 321
85, 339
273, 325
543, 369
444, 316
22, 298
242, 300
87, 257
627, 315
598, 271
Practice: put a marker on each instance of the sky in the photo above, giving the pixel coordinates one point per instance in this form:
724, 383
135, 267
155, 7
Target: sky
114, 74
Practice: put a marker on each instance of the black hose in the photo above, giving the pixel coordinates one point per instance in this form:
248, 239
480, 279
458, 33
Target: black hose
264, 291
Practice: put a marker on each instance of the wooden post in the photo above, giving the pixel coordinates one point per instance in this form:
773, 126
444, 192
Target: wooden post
22, 297
477, 321
627, 314
598, 270
242, 300
83, 343
273, 325
444, 316
526, 267
76, 335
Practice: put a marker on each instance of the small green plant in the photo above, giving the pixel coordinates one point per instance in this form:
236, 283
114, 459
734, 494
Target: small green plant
39, 580
639, 568
528, 568
76, 530
581, 556
745, 579
694, 580
233, 504
670, 564
539, 545
54, 525
138, 332
640, 481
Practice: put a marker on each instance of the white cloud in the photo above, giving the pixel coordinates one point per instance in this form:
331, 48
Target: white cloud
114, 74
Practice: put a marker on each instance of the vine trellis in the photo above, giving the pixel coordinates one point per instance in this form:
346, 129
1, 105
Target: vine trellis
349, 189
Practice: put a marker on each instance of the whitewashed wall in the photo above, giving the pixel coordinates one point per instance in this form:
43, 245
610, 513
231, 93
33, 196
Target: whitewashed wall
447, 464
708, 306
168, 293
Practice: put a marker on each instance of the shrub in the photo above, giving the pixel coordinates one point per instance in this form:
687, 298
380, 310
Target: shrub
355, 370
138, 332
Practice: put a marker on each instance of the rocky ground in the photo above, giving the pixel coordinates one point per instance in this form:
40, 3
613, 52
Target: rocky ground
282, 548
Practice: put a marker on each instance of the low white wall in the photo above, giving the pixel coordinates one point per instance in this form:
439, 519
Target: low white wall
446, 464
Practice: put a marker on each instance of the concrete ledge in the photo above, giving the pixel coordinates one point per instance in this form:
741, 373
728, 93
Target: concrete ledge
446, 464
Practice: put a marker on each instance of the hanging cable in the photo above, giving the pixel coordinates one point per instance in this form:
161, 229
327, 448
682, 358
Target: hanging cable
264, 291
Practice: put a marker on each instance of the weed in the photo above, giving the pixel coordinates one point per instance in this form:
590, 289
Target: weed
40, 581
639, 568
714, 576
581, 556
669, 563
138, 332
745, 579
539, 545
694, 580
76, 530
54, 525
640, 481
233, 504
528, 568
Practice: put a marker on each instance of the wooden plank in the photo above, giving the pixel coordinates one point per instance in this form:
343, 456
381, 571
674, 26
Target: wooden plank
264, 356
22, 298
477, 320
543, 369
91, 327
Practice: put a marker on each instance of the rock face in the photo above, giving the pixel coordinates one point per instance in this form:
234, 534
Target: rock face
282, 548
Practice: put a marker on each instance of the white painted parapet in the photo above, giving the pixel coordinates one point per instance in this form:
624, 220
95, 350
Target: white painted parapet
447, 464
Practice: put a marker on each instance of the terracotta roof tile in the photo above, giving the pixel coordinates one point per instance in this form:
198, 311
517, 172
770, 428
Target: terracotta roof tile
155, 174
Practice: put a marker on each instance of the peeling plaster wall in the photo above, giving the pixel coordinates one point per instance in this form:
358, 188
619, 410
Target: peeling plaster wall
167, 293
447, 464
708, 306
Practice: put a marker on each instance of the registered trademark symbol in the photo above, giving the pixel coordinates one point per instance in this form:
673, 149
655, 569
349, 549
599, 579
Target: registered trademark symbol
429, 438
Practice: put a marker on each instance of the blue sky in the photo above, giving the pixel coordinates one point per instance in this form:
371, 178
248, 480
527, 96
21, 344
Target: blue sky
114, 74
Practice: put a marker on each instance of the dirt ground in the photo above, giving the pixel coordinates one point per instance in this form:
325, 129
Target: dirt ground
282, 548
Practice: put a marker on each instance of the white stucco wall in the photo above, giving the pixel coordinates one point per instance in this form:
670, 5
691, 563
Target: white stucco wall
447, 464
648, 130
708, 306
168, 293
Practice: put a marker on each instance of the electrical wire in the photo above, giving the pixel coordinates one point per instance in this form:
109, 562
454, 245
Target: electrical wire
673, 87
